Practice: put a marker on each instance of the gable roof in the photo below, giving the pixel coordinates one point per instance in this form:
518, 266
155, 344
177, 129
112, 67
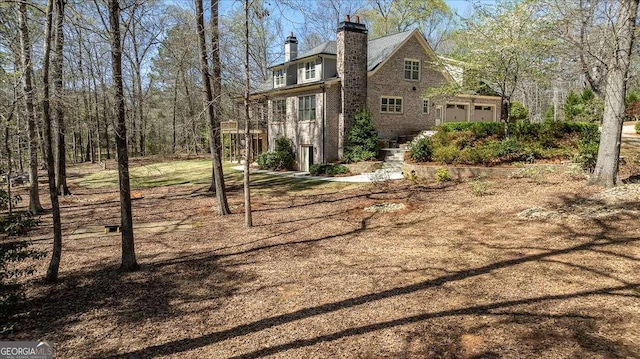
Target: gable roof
378, 49
381, 48
327, 47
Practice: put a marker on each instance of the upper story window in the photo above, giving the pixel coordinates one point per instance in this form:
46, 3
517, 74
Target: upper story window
391, 104
307, 108
279, 77
278, 110
309, 70
425, 105
411, 70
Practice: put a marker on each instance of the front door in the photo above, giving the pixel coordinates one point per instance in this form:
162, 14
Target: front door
306, 158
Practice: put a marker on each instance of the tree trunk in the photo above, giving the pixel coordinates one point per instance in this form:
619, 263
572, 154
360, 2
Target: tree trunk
140, 112
248, 220
34, 195
97, 117
42, 143
54, 264
58, 86
75, 146
175, 105
129, 262
7, 149
107, 143
214, 124
606, 169
191, 111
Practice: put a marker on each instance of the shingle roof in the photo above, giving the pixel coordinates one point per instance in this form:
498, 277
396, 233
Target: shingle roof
381, 48
327, 47
378, 49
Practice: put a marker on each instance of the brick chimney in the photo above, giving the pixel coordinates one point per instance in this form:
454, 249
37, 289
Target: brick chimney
290, 48
352, 69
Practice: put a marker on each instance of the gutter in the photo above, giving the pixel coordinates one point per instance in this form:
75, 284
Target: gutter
324, 119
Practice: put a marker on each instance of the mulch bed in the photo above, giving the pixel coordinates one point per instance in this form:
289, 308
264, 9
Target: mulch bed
449, 275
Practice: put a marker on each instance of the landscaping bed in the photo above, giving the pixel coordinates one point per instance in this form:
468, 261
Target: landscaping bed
543, 267
493, 144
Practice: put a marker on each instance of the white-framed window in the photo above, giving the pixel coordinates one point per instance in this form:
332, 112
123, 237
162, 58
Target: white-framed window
411, 69
278, 110
391, 104
279, 77
309, 69
307, 108
456, 106
483, 108
425, 106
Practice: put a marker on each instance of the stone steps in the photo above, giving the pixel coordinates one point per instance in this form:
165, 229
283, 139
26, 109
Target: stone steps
393, 158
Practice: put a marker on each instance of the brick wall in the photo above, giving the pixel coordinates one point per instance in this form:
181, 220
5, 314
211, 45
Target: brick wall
389, 80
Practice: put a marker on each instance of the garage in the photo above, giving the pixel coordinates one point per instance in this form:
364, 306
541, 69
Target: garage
456, 113
483, 113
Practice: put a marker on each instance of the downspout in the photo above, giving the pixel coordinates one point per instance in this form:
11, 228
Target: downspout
324, 106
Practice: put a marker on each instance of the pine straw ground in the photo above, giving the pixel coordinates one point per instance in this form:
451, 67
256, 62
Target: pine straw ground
451, 275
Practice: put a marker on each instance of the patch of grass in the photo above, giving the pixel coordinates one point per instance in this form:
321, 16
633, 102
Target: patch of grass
193, 172
198, 173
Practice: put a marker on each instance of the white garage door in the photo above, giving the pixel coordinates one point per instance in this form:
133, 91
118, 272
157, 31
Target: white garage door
456, 113
483, 113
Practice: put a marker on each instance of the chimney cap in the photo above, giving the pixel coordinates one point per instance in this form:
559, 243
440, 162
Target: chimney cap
352, 26
291, 39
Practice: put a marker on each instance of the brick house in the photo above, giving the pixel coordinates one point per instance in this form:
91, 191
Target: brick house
314, 95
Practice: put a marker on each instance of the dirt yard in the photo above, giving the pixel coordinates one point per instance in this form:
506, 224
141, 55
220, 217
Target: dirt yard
534, 268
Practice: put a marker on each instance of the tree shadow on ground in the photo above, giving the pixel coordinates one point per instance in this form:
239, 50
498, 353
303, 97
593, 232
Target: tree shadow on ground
580, 327
154, 293
159, 279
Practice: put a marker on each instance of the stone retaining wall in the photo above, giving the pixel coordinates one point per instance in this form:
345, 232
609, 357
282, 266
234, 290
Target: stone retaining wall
460, 173
364, 167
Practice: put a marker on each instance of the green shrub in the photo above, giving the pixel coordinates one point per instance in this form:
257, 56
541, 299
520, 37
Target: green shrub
477, 129
446, 154
481, 154
480, 187
12, 253
328, 169
442, 175
638, 128
410, 176
362, 139
587, 152
421, 149
280, 159
18, 223
518, 112
4, 199
588, 143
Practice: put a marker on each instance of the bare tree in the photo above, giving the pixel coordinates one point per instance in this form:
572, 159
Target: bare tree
34, 196
58, 86
54, 264
214, 124
248, 220
606, 169
129, 262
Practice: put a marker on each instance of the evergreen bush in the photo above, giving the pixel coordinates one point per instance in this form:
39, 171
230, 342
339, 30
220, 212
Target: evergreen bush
280, 159
421, 149
328, 169
362, 139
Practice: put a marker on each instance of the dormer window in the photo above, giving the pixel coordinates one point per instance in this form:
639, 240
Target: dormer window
309, 70
279, 77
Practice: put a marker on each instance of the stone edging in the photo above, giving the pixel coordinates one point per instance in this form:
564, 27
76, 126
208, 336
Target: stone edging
460, 173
